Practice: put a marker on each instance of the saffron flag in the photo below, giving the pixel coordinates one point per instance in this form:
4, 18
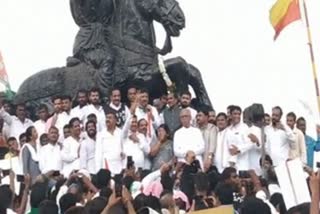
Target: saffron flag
282, 13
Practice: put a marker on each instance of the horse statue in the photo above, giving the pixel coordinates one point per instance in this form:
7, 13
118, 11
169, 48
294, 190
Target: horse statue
116, 47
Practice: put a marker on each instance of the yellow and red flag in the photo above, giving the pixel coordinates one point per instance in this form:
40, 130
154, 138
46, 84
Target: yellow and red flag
282, 13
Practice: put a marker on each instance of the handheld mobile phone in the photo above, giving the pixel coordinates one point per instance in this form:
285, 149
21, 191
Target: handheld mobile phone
118, 185
318, 165
130, 162
20, 178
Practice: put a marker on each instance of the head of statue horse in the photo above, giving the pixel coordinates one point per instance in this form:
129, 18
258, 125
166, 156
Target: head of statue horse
169, 14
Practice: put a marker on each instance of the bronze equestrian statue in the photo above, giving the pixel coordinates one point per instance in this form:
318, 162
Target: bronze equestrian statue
116, 47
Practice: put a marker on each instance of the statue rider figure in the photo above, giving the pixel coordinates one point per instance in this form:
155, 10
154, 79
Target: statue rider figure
91, 43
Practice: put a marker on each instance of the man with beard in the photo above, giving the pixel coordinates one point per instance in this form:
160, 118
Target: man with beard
95, 108
88, 148
109, 153
119, 109
50, 156
82, 101
185, 102
212, 117
279, 138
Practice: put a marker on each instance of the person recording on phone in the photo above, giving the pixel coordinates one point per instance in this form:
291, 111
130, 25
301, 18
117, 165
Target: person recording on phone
280, 138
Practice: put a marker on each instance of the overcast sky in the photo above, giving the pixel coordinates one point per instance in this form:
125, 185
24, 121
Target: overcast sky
230, 41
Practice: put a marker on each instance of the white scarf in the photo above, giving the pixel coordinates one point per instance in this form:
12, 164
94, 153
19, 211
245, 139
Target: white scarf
34, 154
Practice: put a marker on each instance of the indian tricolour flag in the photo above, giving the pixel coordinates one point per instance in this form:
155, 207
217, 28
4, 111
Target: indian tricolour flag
4, 79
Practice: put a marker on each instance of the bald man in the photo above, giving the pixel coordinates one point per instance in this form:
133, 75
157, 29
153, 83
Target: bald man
188, 138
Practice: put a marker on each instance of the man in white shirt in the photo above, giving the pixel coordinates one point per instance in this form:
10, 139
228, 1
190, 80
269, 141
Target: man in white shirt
17, 124
299, 148
82, 101
134, 143
71, 148
64, 117
119, 109
222, 155
95, 108
237, 140
256, 119
145, 111
188, 138
109, 151
43, 114
185, 102
279, 138
50, 154
151, 139
88, 148
57, 107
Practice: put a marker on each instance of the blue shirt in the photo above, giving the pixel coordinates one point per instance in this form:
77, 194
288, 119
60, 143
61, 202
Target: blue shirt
311, 146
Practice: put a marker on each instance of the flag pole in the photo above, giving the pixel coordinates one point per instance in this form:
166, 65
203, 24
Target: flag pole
314, 69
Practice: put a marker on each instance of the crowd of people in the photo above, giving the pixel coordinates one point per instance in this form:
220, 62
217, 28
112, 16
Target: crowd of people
92, 157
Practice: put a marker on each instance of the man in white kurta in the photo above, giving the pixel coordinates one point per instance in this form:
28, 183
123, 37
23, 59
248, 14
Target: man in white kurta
188, 138
17, 124
147, 112
40, 125
50, 155
109, 151
88, 148
63, 118
255, 153
279, 138
82, 100
299, 148
222, 155
134, 143
95, 108
71, 149
237, 140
